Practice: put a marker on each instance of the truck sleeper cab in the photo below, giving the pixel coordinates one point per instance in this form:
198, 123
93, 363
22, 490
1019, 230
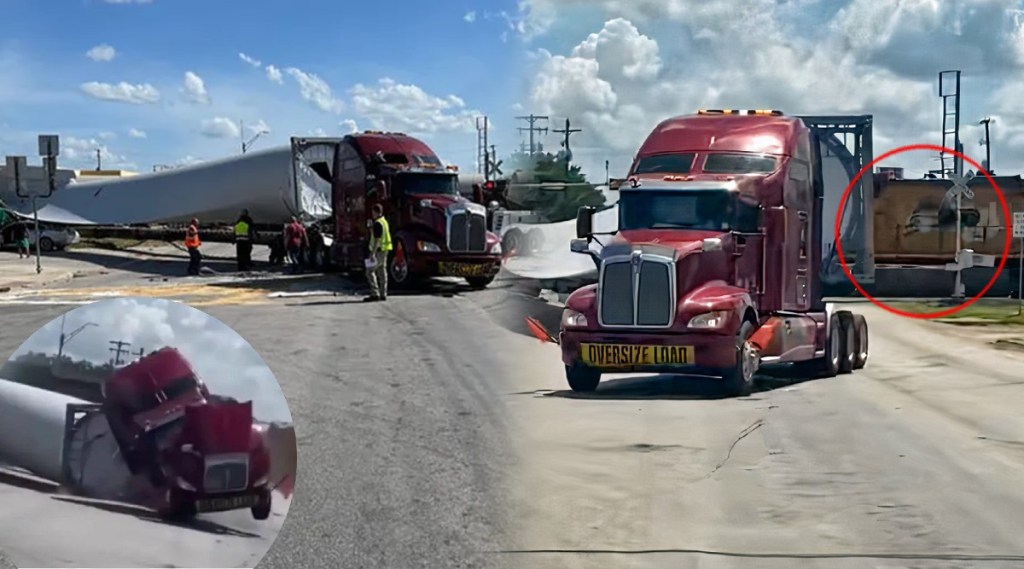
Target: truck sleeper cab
435, 230
713, 269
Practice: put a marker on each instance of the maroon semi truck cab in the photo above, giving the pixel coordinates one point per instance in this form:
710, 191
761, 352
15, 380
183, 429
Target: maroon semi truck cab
714, 267
204, 455
435, 230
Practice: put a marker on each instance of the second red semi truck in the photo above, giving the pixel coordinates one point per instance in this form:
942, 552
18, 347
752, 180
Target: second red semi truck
200, 453
714, 269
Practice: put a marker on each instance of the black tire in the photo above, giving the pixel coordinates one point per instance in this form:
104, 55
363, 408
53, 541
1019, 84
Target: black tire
177, 508
534, 241
480, 283
261, 510
738, 381
860, 325
848, 342
828, 365
582, 379
511, 241
46, 244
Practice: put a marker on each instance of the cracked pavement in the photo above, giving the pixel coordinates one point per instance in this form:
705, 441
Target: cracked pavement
914, 463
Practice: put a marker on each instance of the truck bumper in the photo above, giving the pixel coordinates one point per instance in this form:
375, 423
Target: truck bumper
455, 265
617, 352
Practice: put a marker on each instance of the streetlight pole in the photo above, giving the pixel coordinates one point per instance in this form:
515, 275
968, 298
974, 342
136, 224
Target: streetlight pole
65, 338
988, 143
248, 144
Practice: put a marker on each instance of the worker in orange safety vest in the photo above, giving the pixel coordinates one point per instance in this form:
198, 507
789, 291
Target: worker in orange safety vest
192, 244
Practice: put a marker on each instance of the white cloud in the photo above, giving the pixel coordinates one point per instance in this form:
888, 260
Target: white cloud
107, 135
124, 92
620, 81
470, 17
260, 126
250, 60
274, 74
222, 358
136, 133
82, 152
219, 127
102, 52
390, 105
316, 90
349, 126
195, 89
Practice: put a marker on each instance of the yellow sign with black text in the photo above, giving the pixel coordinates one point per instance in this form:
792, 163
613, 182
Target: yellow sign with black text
626, 355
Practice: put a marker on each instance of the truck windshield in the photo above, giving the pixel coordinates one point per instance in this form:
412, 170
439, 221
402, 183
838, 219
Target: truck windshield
665, 164
420, 184
710, 210
739, 164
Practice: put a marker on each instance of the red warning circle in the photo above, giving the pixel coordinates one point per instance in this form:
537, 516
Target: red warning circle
1008, 223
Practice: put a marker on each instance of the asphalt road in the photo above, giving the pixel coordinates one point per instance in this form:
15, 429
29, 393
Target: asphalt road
402, 446
434, 433
914, 462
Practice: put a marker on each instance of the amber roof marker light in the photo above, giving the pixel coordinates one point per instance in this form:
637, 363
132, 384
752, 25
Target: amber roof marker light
749, 112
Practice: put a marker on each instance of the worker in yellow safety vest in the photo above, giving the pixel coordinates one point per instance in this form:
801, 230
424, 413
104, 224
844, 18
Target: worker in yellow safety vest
245, 234
192, 244
377, 261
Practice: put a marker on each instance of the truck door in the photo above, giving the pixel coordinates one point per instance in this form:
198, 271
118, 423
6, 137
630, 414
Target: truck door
349, 207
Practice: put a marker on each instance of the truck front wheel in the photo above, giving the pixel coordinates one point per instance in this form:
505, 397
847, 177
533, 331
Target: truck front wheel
177, 506
581, 378
738, 381
479, 283
261, 510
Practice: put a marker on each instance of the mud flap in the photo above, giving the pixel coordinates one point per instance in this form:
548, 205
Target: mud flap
539, 331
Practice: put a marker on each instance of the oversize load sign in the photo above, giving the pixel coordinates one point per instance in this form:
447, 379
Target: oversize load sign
623, 355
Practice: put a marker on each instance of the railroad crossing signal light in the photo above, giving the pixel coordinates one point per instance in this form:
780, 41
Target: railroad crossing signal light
489, 185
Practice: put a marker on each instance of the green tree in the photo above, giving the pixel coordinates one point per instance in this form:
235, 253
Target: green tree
553, 203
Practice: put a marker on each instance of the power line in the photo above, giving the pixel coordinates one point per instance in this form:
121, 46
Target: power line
532, 120
118, 350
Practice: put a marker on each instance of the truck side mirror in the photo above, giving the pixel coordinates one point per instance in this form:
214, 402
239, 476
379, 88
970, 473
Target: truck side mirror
478, 194
585, 222
579, 246
382, 190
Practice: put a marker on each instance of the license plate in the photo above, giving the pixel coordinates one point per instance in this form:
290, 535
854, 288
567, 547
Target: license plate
221, 504
449, 269
625, 355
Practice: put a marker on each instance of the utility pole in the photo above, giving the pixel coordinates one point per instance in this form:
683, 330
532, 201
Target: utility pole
565, 143
532, 120
65, 338
99, 160
987, 143
483, 157
121, 348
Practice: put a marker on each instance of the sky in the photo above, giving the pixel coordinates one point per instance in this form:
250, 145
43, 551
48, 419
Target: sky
169, 82
618, 67
152, 82
220, 356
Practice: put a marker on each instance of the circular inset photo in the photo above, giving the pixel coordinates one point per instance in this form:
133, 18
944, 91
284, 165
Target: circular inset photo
141, 432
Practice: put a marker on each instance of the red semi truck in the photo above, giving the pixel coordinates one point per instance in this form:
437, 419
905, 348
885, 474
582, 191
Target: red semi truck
436, 231
202, 453
714, 267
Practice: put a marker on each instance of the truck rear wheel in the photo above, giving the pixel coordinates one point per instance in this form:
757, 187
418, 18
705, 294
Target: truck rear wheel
261, 510
828, 365
511, 241
738, 381
582, 378
848, 342
860, 324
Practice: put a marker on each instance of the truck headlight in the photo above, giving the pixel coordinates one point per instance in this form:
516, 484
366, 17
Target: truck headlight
573, 319
262, 480
428, 247
709, 319
496, 248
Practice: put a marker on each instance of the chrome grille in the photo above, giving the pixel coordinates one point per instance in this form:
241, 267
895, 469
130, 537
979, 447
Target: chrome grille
637, 291
226, 476
467, 231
